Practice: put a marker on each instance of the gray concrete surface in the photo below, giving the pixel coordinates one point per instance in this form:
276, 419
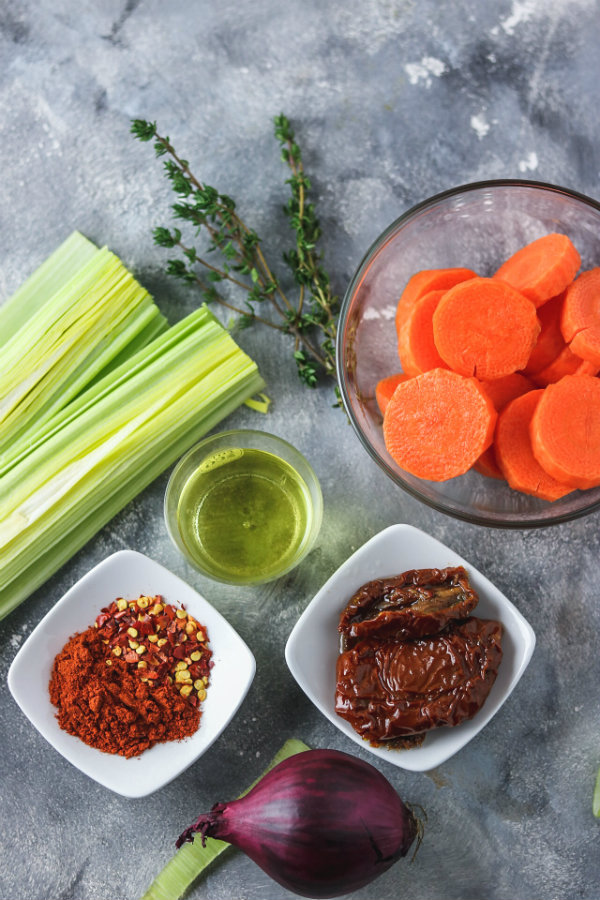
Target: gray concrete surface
392, 100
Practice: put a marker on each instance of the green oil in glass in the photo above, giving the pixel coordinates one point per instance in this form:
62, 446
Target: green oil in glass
244, 515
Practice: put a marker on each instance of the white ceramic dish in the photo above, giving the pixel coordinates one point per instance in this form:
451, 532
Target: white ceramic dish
129, 574
313, 646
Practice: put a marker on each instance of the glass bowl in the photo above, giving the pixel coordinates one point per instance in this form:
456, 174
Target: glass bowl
476, 226
244, 507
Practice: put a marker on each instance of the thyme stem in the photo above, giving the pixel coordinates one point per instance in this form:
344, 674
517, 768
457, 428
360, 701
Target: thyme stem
311, 320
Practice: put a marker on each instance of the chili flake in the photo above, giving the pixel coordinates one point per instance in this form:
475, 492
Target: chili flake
174, 645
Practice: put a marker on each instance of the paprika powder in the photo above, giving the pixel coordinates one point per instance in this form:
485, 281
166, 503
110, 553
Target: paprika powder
121, 695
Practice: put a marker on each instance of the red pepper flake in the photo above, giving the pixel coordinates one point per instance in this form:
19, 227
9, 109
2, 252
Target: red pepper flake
153, 618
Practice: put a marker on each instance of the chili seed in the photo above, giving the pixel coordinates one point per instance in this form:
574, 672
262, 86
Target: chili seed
121, 604
198, 684
117, 651
181, 666
142, 664
202, 694
153, 638
132, 632
186, 690
190, 627
181, 613
195, 656
183, 676
143, 602
161, 642
134, 645
109, 662
140, 649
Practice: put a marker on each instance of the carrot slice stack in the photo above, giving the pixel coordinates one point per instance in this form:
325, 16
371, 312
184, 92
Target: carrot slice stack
580, 322
514, 452
484, 327
550, 341
386, 387
416, 347
565, 431
542, 269
566, 363
501, 391
423, 282
437, 424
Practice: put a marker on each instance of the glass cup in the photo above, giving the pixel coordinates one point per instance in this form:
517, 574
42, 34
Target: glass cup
244, 507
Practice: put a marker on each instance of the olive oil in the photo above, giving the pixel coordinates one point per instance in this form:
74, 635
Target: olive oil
244, 515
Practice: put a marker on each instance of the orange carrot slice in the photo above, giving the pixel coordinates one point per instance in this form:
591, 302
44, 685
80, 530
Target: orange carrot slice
566, 363
416, 346
550, 341
565, 431
580, 321
437, 424
386, 387
542, 269
501, 391
423, 282
514, 452
484, 327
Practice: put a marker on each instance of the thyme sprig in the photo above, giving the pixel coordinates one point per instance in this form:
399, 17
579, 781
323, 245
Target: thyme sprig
311, 319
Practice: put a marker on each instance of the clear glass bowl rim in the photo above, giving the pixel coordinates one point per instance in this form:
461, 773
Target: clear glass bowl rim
440, 505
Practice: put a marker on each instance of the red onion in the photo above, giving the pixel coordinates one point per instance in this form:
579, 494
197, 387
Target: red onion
321, 823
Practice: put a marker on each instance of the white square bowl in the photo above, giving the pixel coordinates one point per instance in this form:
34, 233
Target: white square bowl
129, 574
313, 646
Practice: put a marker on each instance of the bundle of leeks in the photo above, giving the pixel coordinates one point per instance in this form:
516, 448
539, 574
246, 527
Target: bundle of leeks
97, 397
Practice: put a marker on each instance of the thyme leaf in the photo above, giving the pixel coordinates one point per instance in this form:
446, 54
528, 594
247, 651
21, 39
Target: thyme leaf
310, 316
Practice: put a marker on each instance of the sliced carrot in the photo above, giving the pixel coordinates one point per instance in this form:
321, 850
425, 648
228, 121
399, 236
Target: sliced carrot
501, 391
423, 282
542, 269
487, 465
416, 346
565, 431
566, 363
514, 452
550, 341
437, 424
580, 321
484, 327
386, 387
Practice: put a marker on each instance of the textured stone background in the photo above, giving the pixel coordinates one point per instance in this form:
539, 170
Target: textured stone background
392, 100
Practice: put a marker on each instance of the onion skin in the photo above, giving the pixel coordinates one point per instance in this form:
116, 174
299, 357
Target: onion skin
321, 823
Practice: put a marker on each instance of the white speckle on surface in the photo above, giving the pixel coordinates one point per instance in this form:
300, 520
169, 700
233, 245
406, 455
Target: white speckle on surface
522, 11
423, 71
530, 163
363, 201
16, 639
479, 125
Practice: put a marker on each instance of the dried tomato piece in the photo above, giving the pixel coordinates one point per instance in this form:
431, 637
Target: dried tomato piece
390, 689
411, 605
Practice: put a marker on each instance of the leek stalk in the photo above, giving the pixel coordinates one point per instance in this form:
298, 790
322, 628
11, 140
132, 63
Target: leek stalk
110, 443
97, 398
74, 332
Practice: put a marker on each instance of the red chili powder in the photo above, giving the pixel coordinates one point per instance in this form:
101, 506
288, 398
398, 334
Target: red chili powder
108, 706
